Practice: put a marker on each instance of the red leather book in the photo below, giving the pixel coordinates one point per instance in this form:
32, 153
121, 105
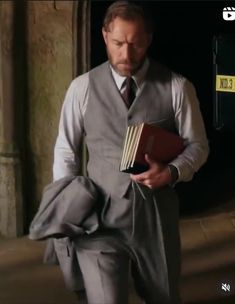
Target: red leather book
160, 144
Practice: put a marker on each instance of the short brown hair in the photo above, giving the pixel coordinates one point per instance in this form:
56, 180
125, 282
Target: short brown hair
128, 11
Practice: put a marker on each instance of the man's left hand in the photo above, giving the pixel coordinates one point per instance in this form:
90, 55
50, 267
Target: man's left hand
156, 176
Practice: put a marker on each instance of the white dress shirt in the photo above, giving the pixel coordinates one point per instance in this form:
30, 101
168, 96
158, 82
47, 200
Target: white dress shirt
188, 120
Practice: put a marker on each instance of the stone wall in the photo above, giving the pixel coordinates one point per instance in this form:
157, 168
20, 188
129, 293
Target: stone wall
37, 64
11, 198
50, 70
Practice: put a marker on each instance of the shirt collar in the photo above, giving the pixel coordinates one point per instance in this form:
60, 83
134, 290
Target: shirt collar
138, 77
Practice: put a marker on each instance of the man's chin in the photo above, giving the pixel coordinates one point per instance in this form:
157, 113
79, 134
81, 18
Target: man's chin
127, 70
124, 71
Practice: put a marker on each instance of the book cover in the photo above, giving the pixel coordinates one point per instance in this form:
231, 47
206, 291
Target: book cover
160, 144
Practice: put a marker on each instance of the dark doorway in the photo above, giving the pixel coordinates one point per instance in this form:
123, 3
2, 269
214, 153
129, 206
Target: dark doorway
183, 41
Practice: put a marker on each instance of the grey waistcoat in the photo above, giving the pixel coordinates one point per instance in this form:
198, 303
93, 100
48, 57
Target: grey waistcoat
107, 118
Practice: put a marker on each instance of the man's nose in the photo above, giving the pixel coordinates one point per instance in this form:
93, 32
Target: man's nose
127, 52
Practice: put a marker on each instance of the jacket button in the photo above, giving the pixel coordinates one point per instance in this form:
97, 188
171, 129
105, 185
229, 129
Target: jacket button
129, 117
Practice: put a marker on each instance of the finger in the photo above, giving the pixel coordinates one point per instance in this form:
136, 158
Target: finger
138, 177
147, 183
144, 181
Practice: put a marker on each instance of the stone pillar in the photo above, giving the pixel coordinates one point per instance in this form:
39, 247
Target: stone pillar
11, 202
81, 56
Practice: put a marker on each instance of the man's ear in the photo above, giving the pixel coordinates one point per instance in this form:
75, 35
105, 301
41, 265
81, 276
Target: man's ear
104, 32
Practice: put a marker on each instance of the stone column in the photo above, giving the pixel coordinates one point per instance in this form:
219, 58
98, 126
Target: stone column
81, 54
11, 202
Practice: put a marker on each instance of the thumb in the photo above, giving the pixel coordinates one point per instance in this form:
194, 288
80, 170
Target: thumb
148, 159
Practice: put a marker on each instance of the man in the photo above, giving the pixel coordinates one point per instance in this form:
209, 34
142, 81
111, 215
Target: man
139, 212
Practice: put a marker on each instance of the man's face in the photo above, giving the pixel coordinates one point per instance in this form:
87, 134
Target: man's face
127, 43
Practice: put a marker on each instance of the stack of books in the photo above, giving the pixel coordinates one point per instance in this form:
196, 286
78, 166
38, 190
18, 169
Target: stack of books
160, 144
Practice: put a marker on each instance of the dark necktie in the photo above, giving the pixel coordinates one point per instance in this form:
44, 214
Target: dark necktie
129, 92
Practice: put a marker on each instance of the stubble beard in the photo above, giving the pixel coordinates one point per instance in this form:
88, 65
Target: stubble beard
136, 66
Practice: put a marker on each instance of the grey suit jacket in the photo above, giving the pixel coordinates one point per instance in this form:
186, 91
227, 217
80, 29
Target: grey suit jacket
67, 209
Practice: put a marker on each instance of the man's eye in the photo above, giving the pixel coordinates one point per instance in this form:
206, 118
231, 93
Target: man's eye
118, 43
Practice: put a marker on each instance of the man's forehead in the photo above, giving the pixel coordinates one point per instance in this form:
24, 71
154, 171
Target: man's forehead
118, 22
120, 37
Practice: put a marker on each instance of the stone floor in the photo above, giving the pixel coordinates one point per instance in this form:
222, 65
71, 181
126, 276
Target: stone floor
208, 251
208, 268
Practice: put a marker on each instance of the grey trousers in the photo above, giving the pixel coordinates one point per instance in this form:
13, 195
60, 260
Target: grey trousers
132, 238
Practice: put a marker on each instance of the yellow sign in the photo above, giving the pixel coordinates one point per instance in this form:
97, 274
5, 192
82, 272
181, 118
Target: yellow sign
225, 83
